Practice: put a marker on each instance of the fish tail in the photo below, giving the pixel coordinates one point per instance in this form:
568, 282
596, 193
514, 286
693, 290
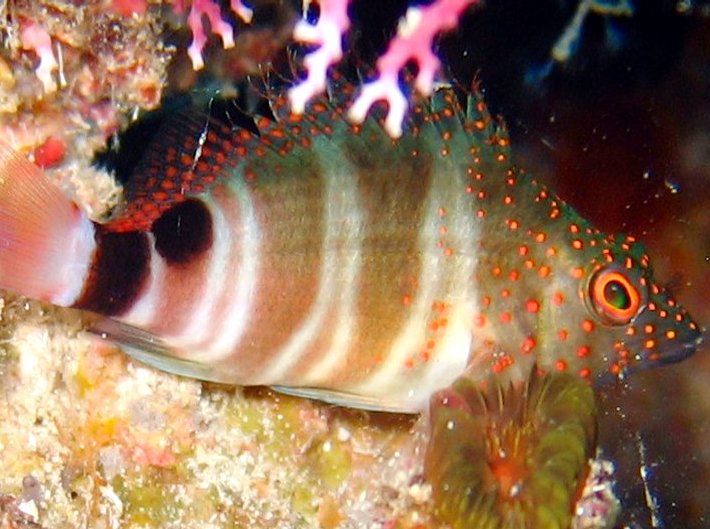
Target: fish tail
46, 241
514, 457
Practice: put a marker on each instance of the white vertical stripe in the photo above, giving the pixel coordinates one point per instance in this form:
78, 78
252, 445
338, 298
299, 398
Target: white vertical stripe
201, 327
337, 284
73, 269
448, 279
353, 233
413, 332
241, 288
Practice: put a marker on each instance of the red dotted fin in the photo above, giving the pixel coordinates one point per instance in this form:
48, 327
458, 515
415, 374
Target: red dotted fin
190, 152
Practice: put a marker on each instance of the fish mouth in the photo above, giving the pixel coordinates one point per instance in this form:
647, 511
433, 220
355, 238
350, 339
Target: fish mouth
670, 352
699, 340
687, 349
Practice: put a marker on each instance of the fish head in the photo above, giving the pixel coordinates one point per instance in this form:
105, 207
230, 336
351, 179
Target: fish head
637, 323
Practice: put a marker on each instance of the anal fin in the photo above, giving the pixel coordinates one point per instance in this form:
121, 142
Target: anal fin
150, 349
344, 399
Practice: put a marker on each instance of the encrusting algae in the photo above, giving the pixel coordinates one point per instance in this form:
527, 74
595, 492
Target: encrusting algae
328, 260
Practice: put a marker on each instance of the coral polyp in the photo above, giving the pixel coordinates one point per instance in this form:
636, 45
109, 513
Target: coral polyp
511, 458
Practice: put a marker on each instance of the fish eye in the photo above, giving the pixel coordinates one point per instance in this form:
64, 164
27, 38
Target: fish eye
614, 297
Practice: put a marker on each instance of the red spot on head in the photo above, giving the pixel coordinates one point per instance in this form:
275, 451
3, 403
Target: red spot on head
558, 298
532, 306
583, 351
561, 365
587, 325
502, 363
585, 372
528, 345
562, 334
506, 317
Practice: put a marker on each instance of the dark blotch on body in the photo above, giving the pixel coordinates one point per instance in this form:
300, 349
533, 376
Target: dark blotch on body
183, 232
118, 273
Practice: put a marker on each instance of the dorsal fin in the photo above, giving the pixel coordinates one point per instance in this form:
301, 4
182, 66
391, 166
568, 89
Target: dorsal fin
183, 156
196, 147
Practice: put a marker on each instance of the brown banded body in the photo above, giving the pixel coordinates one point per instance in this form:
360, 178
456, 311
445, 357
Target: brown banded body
309, 253
350, 268
330, 261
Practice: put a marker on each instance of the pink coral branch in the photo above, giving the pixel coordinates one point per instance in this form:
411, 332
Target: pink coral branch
413, 41
221, 27
328, 34
34, 37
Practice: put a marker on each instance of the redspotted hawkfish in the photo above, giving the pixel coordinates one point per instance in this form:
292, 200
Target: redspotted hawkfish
330, 261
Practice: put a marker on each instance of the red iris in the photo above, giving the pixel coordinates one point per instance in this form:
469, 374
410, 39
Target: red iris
615, 298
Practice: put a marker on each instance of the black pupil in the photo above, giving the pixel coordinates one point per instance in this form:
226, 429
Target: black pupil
616, 295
